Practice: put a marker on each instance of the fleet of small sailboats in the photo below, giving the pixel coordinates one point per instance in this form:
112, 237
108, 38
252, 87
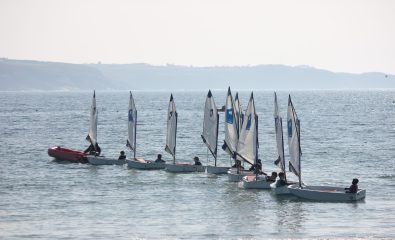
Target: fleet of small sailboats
241, 143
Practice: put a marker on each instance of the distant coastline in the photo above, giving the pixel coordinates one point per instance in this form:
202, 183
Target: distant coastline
28, 75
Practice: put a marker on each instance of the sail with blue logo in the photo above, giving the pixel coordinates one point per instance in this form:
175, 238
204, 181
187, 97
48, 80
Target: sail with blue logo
231, 132
210, 125
293, 139
171, 128
92, 134
132, 125
247, 147
278, 126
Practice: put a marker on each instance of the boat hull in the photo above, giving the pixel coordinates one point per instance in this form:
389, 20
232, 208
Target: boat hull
217, 170
64, 154
144, 165
280, 190
184, 168
254, 182
98, 160
236, 176
326, 193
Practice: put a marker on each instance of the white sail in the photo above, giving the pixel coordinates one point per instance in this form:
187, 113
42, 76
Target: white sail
171, 128
231, 132
278, 123
210, 125
238, 113
293, 139
247, 147
92, 134
132, 124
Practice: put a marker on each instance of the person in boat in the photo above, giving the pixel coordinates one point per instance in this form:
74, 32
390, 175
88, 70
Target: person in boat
159, 159
354, 186
197, 161
91, 150
256, 168
272, 178
281, 182
238, 165
122, 156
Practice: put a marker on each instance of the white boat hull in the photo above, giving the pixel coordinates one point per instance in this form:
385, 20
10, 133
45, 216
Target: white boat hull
326, 193
184, 168
236, 176
253, 182
281, 190
145, 165
217, 170
98, 160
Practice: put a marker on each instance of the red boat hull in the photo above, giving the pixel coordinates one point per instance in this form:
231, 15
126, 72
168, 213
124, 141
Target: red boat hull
64, 154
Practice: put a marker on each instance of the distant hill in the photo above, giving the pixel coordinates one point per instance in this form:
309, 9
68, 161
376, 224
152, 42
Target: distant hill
24, 75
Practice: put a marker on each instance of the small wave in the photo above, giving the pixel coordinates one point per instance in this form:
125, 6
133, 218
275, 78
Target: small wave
387, 176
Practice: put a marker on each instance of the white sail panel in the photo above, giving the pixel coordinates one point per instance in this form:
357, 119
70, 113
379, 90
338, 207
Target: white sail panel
278, 124
210, 124
231, 133
171, 128
92, 134
293, 139
247, 147
132, 124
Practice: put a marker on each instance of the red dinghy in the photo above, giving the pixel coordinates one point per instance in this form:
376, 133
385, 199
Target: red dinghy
64, 154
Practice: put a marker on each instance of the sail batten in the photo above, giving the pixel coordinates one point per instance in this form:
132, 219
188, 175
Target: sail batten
247, 147
210, 125
171, 128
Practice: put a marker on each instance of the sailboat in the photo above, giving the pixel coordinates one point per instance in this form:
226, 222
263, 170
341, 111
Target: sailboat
235, 174
247, 148
65, 154
278, 186
92, 138
137, 163
317, 193
171, 138
210, 133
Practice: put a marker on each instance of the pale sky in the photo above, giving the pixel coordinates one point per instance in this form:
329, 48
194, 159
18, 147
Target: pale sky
339, 35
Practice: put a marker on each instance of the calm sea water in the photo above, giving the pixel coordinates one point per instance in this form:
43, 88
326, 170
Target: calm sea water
344, 134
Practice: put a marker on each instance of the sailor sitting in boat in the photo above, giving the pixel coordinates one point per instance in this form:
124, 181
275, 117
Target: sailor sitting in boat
238, 165
159, 159
91, 150
197, 161
281, 182
257, 168
122, 156
354, 186
272, 178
